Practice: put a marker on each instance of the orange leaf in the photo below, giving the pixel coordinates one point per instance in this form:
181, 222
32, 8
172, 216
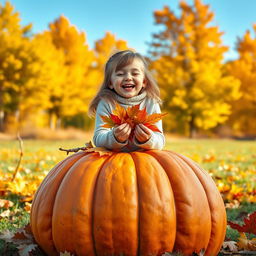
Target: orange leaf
108, 122
133, 111
120, 112
141, 116
100, 150
153, 118
133, 116
245, 243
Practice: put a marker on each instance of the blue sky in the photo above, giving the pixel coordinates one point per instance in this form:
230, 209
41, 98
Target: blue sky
132, 20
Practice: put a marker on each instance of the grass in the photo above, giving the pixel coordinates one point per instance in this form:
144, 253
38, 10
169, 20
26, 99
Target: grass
225, 160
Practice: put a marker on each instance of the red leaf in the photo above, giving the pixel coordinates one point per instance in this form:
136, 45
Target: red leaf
249, 225
152, 127
115, 119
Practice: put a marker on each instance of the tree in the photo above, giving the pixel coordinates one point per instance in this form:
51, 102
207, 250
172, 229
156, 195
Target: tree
243, 118
188, 57
18, 65
72, 95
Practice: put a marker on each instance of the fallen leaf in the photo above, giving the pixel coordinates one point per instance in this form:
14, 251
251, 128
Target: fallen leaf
249, 225
5, 213
26, 249
6, 203
246, 244
6, 235
230, 245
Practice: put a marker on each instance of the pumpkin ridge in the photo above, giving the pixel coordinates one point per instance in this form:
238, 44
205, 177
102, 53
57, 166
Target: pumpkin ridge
138, 202
115, 213
37, 199
44, 197
150, 174
202, 176
185, 188
76, 214
199, 232
93, 202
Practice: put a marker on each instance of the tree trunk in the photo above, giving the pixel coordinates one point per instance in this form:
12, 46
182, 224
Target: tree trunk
1, 121
52, 121
192, 128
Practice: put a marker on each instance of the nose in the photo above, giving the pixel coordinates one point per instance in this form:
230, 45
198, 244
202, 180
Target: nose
128, 77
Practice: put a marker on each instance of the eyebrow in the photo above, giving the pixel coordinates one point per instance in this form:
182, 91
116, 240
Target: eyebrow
133, 69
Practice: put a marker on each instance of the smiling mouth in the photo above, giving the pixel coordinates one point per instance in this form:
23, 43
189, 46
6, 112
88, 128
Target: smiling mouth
128, 86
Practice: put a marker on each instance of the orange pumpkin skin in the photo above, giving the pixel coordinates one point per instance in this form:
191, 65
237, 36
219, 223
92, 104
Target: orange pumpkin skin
138, 203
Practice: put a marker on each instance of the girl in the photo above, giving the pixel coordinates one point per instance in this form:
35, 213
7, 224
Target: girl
127, 82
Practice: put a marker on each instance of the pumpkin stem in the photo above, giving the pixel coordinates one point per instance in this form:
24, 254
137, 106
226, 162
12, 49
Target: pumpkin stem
73, 149
87, 145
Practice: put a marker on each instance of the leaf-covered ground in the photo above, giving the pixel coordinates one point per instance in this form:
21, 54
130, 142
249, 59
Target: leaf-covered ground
232, 164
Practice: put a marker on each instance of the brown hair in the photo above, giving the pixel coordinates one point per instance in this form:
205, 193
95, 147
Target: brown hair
117, 62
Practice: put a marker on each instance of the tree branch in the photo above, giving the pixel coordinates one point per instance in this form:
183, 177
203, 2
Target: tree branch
21, 155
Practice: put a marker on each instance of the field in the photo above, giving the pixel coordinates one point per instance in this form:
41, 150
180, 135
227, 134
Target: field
231, 163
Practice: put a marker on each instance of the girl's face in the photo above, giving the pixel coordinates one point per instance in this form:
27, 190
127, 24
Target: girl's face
129, 80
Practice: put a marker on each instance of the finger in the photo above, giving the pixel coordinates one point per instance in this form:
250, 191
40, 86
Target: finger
140, 135
141, 132
126, 129
120, 127
145, 129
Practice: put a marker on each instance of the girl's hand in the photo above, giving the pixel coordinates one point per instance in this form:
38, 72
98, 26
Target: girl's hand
122, 132
142, 133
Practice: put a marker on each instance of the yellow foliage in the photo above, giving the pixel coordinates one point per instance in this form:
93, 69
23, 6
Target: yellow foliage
243, 118
18, 65
189, 67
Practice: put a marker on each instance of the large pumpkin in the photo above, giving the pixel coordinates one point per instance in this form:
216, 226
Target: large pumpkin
138, 203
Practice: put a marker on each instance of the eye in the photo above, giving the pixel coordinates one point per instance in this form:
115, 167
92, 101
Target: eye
119, 74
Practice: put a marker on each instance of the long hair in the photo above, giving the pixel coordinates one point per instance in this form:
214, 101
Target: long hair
117, 62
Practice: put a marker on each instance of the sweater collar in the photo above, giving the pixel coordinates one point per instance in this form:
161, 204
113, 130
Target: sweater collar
131, 101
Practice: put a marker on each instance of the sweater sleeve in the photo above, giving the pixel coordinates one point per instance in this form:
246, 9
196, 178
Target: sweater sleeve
157, 140
104, 137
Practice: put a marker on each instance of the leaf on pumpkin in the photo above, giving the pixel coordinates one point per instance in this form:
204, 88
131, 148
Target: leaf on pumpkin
244, 243
100, 150
249, 225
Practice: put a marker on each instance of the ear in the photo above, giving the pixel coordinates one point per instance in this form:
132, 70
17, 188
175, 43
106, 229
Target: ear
144, 83
111, 86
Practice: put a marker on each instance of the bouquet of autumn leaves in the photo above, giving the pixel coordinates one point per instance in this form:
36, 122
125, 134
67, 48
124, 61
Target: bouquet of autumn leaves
132, 115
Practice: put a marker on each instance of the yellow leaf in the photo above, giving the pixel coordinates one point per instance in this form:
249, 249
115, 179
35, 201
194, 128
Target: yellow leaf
246, 244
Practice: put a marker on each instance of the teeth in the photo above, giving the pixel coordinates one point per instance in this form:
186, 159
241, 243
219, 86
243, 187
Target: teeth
128, 86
